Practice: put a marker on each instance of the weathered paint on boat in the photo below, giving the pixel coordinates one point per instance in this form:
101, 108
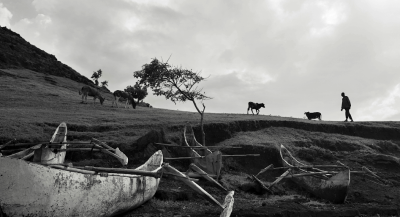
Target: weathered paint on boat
31, 189
333, 189
212, 161
46, 155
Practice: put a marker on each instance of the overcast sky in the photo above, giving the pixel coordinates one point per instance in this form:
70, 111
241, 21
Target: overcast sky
293, 56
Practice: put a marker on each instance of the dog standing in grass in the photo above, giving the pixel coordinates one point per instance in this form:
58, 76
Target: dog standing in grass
313, 115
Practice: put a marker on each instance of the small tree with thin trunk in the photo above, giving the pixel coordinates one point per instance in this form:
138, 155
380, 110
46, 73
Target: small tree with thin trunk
137, 91
176, 84
104, 83
96, 76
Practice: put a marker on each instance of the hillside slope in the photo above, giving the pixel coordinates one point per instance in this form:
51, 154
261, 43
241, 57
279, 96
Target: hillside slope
17, 53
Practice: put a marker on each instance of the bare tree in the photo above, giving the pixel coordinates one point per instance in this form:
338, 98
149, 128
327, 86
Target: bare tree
176, 84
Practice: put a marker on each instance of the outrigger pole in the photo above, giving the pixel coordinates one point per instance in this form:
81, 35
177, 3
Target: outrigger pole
194, 147
200, 157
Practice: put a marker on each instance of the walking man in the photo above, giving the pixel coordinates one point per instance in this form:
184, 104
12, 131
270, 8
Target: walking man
346, 106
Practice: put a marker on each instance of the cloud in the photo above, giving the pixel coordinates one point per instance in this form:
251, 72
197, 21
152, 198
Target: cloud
382, 108
5, 16
294, 56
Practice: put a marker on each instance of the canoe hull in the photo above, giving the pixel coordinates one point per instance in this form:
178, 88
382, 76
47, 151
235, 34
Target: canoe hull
47, 155
30, 189
333, 189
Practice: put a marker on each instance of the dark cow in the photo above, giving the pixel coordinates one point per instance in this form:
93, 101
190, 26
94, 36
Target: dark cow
313, 115
255, 106
124, 95
86, 91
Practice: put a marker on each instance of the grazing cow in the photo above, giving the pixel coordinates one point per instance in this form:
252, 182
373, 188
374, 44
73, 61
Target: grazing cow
313, 115
124, 95
86, 91
255, 106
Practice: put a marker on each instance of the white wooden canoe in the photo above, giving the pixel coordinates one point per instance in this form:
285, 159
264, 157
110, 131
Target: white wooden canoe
212, 161
46, 155
31, 189
333, 189
43, 154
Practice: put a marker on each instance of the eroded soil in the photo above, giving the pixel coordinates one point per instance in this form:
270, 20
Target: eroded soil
366, 196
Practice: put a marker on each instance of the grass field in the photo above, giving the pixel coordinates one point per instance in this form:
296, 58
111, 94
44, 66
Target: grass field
34, 104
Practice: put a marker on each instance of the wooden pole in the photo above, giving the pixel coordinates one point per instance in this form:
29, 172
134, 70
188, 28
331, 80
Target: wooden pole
342, 164
280, 178
261, 184
310, 174
191, 184
49, 143
374, 175
310, 167
193, 147
103, 144
7, 144
206, 176
182, 158
83, 149
180, 177
117, 153
242, 155
265, 169
157, 174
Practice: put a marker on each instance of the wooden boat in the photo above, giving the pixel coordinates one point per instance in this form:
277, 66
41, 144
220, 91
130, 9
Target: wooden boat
42, 153
47, 155
32, 189
210, 162
333, 189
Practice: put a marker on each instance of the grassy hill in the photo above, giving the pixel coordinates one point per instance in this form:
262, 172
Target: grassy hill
33, 104
36, 98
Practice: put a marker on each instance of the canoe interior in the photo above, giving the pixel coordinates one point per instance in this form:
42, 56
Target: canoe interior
211, 163
333, 189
